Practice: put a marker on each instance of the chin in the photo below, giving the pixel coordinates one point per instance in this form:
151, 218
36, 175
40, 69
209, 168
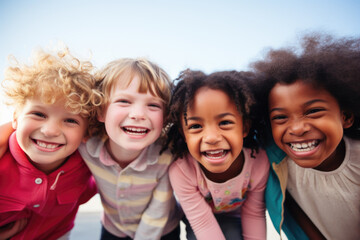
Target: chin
307, 163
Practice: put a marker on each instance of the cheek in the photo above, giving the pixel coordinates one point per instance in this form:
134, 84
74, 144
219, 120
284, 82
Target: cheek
276, 133
115, 115
75, 136
336, 131
193, 148
23, 126
157, 119
193, 144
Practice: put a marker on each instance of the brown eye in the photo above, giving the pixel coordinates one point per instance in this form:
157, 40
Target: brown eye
278, 117
155, 105
314, 110
194, 126
225, 122
39, 114
73, 121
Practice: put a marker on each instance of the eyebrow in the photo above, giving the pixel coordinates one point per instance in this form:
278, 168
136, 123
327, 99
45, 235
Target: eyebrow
222, 115
305, 104
314, 101
275, 109
129, 95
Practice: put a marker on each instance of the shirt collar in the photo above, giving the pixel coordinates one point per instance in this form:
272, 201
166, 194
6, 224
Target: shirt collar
149, 156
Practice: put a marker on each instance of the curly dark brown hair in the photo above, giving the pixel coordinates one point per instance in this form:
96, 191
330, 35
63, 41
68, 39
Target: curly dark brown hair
233, 83
321, 60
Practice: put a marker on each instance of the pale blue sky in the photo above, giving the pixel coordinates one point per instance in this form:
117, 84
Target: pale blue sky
200, 34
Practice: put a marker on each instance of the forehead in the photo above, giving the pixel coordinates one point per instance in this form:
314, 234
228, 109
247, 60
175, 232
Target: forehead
297, 92
210, 101
135, 83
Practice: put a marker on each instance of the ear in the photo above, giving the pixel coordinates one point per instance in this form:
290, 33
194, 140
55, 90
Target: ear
100, 118
101, 114
246, 127
14, 121
347, 119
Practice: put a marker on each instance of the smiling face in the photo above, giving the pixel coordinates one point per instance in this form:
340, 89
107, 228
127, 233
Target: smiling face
48, 134
214, 131
307, 123
132, 120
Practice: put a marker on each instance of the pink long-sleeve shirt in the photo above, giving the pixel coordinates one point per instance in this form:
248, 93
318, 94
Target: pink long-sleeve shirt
242, 196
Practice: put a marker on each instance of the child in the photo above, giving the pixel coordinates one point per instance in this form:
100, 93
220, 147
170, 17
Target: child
131, 177
124, 158
312, 102
43, 179
219, 184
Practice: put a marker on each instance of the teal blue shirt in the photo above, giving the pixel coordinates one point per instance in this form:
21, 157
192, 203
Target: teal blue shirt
274, 196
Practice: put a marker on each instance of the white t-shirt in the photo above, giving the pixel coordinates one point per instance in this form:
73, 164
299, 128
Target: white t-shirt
330, 199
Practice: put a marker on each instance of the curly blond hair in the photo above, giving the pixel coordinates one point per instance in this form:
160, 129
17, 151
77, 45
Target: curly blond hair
52, 77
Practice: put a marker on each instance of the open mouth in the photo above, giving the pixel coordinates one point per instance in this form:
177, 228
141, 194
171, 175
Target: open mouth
135, 130
304, 146
46, 145
216, 154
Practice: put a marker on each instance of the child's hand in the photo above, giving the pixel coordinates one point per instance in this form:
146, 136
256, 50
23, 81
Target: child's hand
6, 130
12, 228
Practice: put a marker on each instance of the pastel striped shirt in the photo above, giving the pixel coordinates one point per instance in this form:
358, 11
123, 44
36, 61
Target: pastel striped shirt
138, 200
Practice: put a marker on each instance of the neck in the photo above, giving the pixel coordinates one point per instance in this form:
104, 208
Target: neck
335, 160
120, 155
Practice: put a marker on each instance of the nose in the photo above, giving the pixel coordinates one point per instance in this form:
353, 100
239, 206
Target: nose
137, 113
299, 127
51, 128
211, 136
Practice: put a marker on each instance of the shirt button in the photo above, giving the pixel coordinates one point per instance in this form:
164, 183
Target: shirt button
36, 205
38, 181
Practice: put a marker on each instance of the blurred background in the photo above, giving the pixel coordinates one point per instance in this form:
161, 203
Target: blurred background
206, 35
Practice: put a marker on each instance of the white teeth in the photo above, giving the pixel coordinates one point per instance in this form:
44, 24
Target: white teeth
44, 145
303, 147
135, 131
216, 154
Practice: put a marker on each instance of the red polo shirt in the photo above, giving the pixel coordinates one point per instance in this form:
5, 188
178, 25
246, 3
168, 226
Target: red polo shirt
50, 202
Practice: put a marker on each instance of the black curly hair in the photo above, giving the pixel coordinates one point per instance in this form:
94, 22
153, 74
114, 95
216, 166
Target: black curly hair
233, 83
321, 60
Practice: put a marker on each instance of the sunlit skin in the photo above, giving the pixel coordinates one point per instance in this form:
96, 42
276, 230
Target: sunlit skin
48, 133
307, 124
132, 120
214, 134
